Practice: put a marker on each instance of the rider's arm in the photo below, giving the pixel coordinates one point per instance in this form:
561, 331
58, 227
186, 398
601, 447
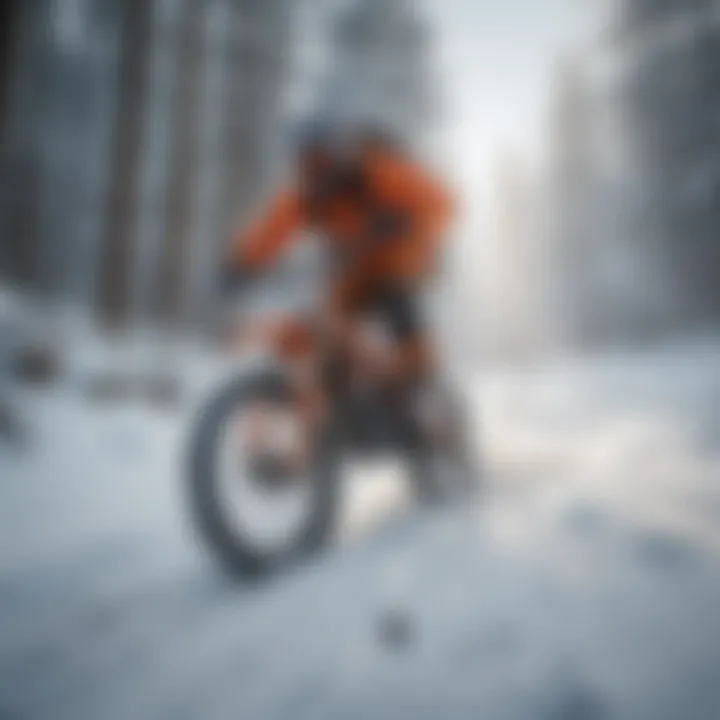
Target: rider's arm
405, 184
256, 247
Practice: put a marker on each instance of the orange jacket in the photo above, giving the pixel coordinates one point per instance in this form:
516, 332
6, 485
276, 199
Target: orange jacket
394, 183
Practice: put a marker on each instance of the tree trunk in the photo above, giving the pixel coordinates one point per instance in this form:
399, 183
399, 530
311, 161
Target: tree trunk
115, 275
183, 166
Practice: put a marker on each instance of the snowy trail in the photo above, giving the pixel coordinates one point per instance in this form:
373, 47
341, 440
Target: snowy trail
587, 587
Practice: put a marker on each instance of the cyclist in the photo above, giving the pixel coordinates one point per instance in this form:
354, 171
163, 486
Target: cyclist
383, 216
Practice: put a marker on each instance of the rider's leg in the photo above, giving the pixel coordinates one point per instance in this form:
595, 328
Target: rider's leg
343, 343
412, 359
413, 355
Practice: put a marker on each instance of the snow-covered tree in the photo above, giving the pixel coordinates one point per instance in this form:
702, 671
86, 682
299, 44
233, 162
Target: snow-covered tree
671, 101
133, 133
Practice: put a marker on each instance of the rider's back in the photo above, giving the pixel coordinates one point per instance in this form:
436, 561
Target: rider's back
384, 191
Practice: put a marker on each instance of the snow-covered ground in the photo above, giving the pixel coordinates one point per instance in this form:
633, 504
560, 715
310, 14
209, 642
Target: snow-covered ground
587, 587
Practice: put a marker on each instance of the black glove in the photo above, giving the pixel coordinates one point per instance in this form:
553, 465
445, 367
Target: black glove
387, 225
